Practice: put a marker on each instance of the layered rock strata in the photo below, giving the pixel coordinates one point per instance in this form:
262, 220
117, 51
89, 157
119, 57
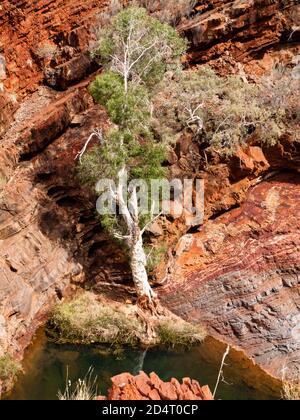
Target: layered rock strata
49, 235
240, 276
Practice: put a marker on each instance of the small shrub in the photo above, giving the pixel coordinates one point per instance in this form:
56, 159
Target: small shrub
104, 17
9, 368
46, 51
174, 334
169, 11
155, 256
280, 92
3, 181
222, 113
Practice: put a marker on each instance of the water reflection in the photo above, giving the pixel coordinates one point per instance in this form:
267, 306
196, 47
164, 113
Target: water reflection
46, 367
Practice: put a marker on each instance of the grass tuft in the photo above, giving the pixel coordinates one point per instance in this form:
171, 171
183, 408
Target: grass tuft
174, 334
83, 390
291, 391
86, 320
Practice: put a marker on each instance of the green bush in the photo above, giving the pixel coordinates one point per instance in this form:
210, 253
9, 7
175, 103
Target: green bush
155, 256
222, 113
9, 368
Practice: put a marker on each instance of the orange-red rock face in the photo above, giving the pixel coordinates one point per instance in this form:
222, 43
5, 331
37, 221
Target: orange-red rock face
28, 27
240, 276
126, 387
49, 237
239, 30
39, 40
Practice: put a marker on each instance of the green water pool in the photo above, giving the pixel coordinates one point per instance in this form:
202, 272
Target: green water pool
47, 365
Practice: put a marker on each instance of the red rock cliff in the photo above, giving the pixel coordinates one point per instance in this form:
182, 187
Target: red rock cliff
240, 276
49, 238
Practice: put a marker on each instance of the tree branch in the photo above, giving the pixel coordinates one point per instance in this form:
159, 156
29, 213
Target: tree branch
97, 133
142, 54
151, 222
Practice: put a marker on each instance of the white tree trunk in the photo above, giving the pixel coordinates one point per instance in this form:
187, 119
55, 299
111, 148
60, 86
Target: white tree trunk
138, 264
134, 240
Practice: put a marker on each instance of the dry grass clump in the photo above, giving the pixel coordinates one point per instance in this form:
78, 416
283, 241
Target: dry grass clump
46, 51
169, 11
291, 391
177, 333
9, 370
87, 320
83, 390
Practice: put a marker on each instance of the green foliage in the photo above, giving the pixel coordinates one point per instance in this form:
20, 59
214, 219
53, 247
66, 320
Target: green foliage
155, 256
129, 110
174, 334
9, 368
221, 112
85, 320
105, 86
148, 159
139, 45
143, 158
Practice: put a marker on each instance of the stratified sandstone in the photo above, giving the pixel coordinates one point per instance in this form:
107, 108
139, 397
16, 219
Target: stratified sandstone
41, 41
239, 29
127, 387
240, 276
49, 236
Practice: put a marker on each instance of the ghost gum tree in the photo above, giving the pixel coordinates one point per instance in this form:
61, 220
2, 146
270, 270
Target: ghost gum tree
136, 50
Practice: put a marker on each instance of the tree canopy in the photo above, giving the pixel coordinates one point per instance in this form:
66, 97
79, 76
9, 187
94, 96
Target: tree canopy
139, 47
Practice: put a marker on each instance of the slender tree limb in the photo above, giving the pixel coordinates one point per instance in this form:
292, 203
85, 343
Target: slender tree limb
98, 134
221, 370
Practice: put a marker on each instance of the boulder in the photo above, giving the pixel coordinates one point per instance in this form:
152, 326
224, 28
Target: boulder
143, 387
